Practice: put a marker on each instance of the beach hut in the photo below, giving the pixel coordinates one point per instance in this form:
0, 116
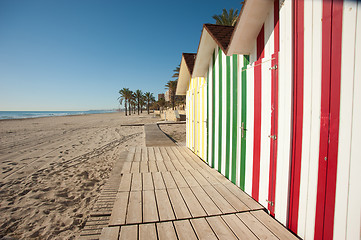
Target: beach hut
284, 115
195, 90
303, 158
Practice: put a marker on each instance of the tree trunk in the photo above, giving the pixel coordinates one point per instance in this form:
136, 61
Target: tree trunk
173, 100
125, 103
148, 107
138, 108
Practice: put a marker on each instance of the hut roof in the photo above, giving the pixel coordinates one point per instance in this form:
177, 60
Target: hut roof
185, 72
249, 24
221, 34
212, 36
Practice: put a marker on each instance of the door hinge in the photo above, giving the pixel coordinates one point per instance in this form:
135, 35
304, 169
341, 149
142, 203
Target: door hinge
274, 67
243, 129
270, 202
274, 137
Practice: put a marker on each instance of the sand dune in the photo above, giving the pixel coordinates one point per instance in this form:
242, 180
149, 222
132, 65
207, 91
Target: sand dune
52, 170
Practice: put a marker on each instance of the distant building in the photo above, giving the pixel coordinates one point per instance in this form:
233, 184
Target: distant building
160, 95
167, 96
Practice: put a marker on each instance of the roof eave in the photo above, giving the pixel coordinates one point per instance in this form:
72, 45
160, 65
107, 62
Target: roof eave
204, 54
183, 79
249, 24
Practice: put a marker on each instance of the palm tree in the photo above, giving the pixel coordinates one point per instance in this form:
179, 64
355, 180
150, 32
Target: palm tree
176, 72
138, 95
149, 98
132, 101
142, 103
161, 103
228, 19
124, 96
172, 87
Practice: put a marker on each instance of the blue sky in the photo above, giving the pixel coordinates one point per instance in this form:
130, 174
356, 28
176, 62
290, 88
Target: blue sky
77, 54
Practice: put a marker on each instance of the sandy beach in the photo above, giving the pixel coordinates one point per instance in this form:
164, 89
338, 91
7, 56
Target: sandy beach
53, 169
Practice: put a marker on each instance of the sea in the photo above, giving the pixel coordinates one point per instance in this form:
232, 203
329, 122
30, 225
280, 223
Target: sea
37, 114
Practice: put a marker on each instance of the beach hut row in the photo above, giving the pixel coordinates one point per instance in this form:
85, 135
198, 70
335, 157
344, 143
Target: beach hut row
274, 104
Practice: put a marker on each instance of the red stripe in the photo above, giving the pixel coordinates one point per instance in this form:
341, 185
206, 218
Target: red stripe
274, 114
297, 113
330, 112
257, 115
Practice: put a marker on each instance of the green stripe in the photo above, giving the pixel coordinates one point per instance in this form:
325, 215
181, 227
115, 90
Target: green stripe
228, 113
220, 113
213, 107
244, 122
235, 116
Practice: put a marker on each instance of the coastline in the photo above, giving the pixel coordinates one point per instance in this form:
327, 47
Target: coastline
42, 114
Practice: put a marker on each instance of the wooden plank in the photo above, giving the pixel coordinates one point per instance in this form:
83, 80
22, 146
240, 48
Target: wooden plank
158, 180
189, 158
130, 156
109, 233
125, 182
280, 231
238, 227
192, 202
178, 166
150, 212
158, 155
144, 167
138, 154
176, 152
148, 181
147, 231
129, 232
170, 166
208, 176
126, 167
179, 206
199, 177
164, 154
171, 154
231, 198
209, 206
178, 178
186, 165
250, 202
222, 179
199, 162
166, 231
255, 226
136, 182
202, 229
169, 181
134, 213
135, 167
151, 154
164, 206
184, 230
192, 182
221, 203
119, 211
161, 166
220, 228
152, 166
145, 157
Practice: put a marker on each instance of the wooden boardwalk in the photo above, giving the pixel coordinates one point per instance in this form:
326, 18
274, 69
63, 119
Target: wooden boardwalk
169, 193
154, 137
